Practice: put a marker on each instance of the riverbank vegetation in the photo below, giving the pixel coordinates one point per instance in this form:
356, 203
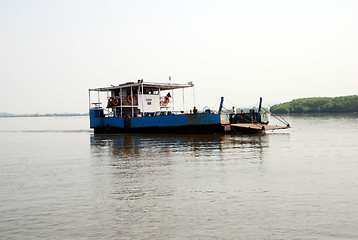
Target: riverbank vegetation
319, 105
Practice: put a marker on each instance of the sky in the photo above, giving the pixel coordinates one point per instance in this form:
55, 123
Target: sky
52, 52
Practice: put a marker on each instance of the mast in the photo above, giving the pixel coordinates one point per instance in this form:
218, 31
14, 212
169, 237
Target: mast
221, 104
260, 104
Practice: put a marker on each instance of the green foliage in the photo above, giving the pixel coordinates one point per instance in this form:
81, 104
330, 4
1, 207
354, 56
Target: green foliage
319, 105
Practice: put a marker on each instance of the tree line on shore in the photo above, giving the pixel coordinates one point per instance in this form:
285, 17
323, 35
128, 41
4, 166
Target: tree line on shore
319, 105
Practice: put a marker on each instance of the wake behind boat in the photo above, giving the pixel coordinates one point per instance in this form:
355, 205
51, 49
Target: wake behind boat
143, 107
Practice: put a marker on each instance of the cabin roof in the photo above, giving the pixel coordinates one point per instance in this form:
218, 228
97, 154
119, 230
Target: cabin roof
161, 86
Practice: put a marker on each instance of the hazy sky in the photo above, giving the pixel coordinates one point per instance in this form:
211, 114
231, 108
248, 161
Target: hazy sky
51, 52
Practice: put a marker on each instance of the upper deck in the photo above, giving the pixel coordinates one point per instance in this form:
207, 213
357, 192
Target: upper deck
136, 99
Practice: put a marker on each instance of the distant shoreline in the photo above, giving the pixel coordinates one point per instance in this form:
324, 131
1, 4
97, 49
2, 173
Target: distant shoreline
6, 115
344, 104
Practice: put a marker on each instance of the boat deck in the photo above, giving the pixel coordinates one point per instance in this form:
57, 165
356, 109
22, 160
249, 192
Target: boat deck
257, 126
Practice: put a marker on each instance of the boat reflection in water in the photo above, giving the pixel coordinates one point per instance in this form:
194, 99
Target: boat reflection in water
128, 146
156, 165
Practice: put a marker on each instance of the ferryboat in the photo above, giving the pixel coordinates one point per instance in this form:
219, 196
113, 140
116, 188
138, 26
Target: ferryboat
148, 107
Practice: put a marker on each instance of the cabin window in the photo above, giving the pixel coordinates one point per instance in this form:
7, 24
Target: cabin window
151, 91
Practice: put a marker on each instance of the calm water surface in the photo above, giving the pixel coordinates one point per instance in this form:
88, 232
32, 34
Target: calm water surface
60, 181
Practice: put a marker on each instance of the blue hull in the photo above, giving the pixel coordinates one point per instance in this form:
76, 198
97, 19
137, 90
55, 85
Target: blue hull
184, 123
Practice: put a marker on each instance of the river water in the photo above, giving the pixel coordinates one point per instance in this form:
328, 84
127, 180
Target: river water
60, 181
